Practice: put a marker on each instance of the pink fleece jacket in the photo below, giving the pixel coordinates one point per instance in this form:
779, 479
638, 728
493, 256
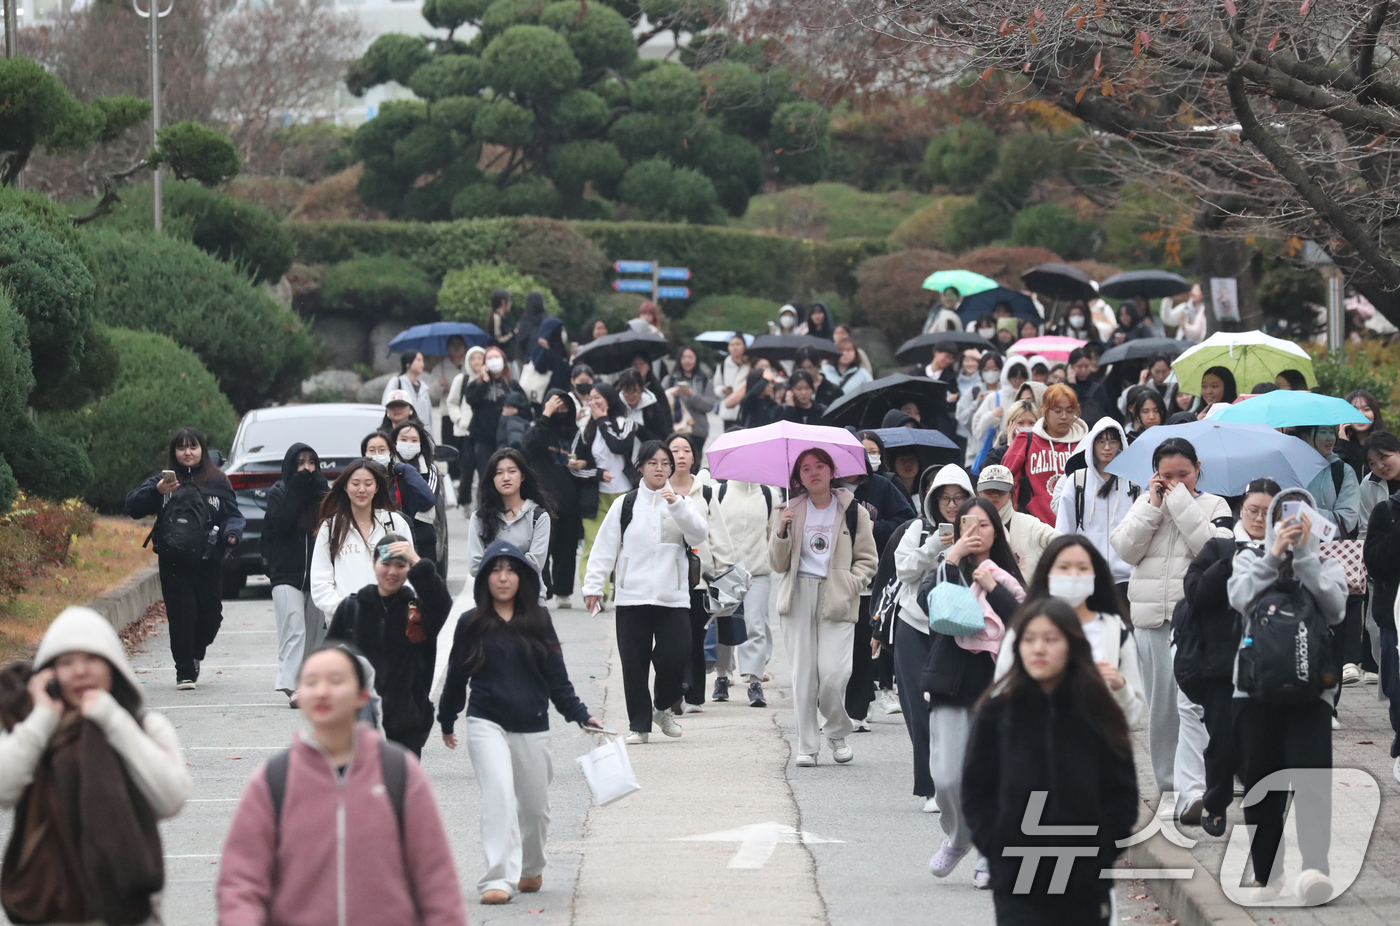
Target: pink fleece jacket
338, 861
988, 639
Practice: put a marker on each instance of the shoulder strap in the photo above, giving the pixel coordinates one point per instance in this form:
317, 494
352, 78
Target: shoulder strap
1338, 476
1081, 479
629, 501
276, 773
539, 512
723, 488
767, 499
851, 519
1023, 485
708, 494
393, 765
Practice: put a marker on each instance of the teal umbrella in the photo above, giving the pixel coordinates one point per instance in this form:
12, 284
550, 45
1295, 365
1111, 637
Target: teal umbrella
1285, 409
964, 281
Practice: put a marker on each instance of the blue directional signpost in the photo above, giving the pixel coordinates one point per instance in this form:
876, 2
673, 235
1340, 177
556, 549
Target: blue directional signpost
653, 285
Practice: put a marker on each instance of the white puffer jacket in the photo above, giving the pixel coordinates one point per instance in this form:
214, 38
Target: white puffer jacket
649, 560
747, 516
1159, 543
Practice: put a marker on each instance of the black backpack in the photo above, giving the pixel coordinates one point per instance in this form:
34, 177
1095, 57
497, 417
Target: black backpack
1286, 652
184, 532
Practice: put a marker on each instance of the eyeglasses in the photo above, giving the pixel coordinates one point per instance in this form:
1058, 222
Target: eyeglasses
659, 464
1253, 513
954, 499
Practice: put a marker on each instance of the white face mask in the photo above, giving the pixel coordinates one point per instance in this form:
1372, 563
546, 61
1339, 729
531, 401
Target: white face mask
1076, 321
987, 332
407, 450
874, 460
1072, 590
991, 376
495, 364
381, 458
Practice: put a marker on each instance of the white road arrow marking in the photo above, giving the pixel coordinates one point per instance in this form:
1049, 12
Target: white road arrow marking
757, 841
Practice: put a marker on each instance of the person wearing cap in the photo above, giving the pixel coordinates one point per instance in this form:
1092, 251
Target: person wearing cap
398, 409
82, 684
506, 648
1027, 535
410, 381
394, 623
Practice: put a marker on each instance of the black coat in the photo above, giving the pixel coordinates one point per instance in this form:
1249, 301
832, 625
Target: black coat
953, 676
892, 507
486, 400
1041, 742
146, 499
811, 415
403, 670
1094, 403
1381, 552
1205, 586
286, 545
547, 448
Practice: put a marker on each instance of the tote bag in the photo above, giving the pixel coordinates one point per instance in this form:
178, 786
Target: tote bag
609, 771
953, 610
1348, 553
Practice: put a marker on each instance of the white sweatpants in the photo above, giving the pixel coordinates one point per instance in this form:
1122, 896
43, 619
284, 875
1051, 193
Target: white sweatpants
757, 649
1163, 715
1189, 767
300, 629
513, 771
948, 729
819, 654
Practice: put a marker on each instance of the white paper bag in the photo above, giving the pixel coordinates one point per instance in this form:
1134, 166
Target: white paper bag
609, 772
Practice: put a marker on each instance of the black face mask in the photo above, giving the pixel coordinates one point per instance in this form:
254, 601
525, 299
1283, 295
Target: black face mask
583, 389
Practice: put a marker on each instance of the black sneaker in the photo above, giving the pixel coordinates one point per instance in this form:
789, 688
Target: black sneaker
721, 692
756, 698
1214, 825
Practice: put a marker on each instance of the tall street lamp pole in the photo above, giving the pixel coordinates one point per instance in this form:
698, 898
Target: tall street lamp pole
155, 14
11, 27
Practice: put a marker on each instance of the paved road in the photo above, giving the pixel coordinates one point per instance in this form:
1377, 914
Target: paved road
623, 863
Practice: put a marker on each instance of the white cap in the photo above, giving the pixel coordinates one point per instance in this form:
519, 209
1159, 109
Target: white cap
995, 477
398, 395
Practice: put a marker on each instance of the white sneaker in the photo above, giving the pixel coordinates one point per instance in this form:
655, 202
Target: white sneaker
563, 604
1336, 724
636, 739
667, 722
1351, 674
1372, 678
861, 726
840, 751
692, 708
806, 761
889, 702
931, 805
1314, 888
1396, 770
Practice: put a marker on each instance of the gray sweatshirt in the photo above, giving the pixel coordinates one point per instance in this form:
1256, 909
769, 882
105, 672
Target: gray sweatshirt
529, 532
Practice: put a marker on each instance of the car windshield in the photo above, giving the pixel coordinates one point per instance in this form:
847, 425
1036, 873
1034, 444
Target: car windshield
330, 435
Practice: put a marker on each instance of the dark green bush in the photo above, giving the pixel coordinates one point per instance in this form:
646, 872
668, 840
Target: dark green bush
45, 214
1052, 226
8, 487
194, 151
437, 248
45, 462
160, 388
94, 377
233, 230
962, 156
52, 290
466, 294
979, 222
16, 369
259, 350
726, 313
379, 287
551, 251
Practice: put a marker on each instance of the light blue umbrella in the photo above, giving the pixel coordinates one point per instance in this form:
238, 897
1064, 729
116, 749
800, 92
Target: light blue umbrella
1231, 455
1285, 409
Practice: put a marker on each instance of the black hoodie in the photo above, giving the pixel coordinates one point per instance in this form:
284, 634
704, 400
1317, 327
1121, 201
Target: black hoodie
289, 526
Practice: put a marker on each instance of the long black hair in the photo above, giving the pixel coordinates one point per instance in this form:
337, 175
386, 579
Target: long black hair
206, 472
1232, 391
616, 409
425, 440
1001, 549
491, 506
336, 507
1139, 402
406, 360
1104, 599
530, 623
1081, 680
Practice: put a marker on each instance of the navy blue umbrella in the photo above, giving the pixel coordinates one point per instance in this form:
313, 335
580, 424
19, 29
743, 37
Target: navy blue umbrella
978, 304
431, 338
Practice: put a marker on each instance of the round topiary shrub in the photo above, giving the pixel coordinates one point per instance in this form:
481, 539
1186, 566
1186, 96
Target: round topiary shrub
9, 488
928, 228
891, 292
569, 264
45, 463
379, 287
257, 349
16, 369
160, 388
51, 289
466, 294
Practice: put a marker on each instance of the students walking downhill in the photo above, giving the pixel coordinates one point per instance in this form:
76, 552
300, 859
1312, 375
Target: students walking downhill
486, 394
293, 514
1283, 720
977, 571
1166, 529
342, 828
506, 647
408, 490
644, 540
89, 772
197, 522
412, 381
748, 514
1050, 736
355, 515
608, 447
823, 550
394, 622
1092, 501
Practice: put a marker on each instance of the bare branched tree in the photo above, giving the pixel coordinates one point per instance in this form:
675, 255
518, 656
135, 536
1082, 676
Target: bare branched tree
1276, 116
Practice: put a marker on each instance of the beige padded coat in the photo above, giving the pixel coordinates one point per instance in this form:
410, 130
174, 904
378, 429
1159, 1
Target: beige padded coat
853, 559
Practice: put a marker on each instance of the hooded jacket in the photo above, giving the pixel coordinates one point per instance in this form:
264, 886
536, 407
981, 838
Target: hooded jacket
892, 506
551, 360
649, 561
1381, 551
146, 500
286, 545
920, 548
1160, 543
984, 417
457, 409
513, 686
1342, 507
341, 860
530, 532
1038, 460
1101, 516
1207, 592
652, 416
403, 669
548, 444
699, 403
1257, 570
149, 748
1372, 491
852, 565
747, 515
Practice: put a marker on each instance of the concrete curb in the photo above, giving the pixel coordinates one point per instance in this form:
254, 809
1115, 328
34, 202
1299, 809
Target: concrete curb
125, 604
1195, 901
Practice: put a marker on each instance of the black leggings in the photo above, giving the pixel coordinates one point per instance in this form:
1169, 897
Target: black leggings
860, 690
563, 557
194, 608
1217, 703
695, 658
647, 636
910, 653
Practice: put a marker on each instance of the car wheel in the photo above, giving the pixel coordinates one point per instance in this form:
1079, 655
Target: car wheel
234, 582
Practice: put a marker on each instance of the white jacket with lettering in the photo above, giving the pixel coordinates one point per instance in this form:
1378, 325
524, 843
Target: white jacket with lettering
1159, 543
649, 561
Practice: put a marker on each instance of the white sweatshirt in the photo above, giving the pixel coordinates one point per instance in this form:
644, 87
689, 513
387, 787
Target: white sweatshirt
746, 515
649, 561
353, 569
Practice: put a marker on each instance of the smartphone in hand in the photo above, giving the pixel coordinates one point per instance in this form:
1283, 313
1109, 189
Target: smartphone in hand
1291, 509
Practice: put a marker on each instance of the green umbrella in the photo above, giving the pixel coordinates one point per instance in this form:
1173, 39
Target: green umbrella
964, 281
1252, 356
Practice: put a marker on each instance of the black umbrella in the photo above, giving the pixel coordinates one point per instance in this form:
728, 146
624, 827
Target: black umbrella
785, 346
613, 353
1143, 348
920, 349
1059, 281
866, 407
978, 304
1150, 284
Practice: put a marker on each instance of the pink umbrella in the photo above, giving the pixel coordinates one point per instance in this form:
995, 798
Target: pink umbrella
1050, 346
766, 455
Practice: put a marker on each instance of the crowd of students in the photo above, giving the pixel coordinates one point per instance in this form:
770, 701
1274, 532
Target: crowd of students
1022, 608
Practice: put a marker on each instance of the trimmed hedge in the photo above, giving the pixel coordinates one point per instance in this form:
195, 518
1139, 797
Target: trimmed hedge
8, 487
379, 287
726, 313
51, 290
45, 462
259, 350
16, 368
722, 260
466, 294
160, 388
44, 213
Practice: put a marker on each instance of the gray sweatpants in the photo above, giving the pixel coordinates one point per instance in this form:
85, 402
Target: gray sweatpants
1163, 714
948, 729
819, 657
1189, 766
757, 649
300, 629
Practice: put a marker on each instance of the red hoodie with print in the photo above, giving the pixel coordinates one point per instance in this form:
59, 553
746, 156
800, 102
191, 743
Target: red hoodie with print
1037, 459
